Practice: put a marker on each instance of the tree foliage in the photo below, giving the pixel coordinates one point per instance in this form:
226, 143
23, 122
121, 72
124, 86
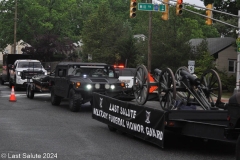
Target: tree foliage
107, 32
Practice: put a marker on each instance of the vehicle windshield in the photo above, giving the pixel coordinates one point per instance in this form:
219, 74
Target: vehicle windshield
29, 65
90, 71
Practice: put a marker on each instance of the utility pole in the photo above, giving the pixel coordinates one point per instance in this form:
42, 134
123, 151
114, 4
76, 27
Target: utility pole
238, 57
150, 40
15, 28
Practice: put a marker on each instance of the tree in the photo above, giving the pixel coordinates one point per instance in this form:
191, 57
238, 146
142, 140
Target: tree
49, 26
106, 37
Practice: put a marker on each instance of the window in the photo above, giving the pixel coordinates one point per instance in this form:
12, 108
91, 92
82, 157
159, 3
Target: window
29, 65
232, 65
61, 72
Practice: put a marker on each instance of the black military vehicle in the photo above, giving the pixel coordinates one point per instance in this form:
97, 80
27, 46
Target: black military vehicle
77, 81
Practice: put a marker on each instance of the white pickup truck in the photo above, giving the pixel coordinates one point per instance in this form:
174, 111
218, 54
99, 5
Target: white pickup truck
32, 67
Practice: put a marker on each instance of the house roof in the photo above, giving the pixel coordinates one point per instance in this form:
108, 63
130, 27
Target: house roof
215, 45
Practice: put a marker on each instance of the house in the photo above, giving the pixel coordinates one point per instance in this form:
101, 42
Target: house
9, 50
223, 51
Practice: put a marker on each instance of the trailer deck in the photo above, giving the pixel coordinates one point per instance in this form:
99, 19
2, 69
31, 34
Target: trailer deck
149, 122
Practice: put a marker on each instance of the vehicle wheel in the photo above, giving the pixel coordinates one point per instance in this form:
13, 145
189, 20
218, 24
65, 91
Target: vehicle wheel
27, 91
167, 89
112, 129
30, 92
55, 100
74, 100
16, 87
2, 82
10, 84
238, 148
141, 85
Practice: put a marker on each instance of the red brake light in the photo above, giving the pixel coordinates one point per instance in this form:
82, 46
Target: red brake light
119, 66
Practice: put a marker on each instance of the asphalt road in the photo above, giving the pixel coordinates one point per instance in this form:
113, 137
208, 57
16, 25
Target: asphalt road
34, 129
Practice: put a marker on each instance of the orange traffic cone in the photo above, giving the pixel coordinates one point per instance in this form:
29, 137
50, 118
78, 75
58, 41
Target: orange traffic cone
12, 96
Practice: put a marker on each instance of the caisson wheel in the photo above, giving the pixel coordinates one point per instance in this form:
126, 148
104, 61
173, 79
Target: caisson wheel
212, 85
55, 100
74, 100
141, 85
167, 90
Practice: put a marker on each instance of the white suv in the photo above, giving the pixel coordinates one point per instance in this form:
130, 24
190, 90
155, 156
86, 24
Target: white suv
29, 66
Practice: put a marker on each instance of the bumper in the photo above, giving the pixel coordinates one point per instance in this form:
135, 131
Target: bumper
20, 81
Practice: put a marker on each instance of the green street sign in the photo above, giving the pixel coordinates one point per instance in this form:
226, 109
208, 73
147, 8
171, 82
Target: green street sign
145, 6
162, 7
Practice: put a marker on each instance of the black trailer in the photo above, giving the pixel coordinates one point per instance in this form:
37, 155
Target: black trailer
37, 81
150, 122
8, 61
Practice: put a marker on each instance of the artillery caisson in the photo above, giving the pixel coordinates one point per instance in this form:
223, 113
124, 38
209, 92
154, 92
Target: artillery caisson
181, 89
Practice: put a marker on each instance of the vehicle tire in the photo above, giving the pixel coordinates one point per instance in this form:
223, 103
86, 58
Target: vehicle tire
30, 92
55, 100
27, 91
16, 87
10, 84
112, 129
74, 100
2, 81
238, 148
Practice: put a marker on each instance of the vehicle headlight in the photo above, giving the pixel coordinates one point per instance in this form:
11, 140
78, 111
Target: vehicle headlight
45, 73
97, 86
107, 86
89, 86
19, 73
112, 86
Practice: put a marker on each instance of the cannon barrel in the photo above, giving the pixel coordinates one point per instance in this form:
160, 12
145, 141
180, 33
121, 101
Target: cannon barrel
157, 72
193, 80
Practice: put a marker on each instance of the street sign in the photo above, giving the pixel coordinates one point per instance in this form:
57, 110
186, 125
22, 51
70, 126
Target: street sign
145, 6
155, 7
191, 69
162, 7
191, 65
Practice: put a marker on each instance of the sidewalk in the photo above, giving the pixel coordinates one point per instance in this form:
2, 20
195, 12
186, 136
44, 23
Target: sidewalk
224, 100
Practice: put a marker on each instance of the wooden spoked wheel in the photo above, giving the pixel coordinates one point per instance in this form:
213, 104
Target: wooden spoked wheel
167, 90
181, 94
212, 86
178, 76
141, 85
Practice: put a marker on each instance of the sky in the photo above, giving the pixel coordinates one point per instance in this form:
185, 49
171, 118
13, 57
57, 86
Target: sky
196, 2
